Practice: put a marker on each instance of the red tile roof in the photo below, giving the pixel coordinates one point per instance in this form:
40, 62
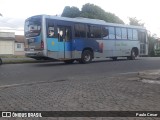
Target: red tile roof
19, 38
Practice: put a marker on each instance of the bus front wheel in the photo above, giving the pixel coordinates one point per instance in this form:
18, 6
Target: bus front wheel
133, 55
86, 57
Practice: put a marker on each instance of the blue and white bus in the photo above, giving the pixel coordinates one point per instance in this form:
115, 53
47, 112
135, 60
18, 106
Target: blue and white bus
82, 39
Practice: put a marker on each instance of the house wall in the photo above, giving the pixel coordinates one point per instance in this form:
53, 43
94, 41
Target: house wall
19, 49
6, 47
11, 44
7, 43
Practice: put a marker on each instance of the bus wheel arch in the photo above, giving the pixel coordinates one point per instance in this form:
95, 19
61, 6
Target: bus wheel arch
86, 56
134, 53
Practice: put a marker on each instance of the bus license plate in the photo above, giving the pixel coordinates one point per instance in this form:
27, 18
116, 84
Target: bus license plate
31, 40
31, 49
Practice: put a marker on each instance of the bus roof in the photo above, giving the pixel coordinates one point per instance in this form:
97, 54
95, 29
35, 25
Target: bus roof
91, 21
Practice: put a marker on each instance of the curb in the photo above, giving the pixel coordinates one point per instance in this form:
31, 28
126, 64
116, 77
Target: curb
129, 74
23, 62
146, 75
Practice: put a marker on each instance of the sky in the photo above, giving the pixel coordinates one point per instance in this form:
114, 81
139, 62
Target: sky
16, 11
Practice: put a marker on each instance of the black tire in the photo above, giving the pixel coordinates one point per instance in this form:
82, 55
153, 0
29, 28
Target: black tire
69, 61
86, 57
133, 55
0, 61
114, 58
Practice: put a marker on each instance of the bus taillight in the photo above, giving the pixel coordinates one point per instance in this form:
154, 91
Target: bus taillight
42, 44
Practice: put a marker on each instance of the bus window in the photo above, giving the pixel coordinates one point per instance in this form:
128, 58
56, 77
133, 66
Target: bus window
64, 33
67, 33
142, 37
80, 30
129, 34
118, 33
50, 28
124, 33
111, 33
51, 32
94, 31
32, 27
135, 34
105, 32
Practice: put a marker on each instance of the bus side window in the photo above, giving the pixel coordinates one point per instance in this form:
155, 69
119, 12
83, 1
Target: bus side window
105, 32
67, 34
60, 32
130, 34
135, 34
124, 33
80, 30
64, 33
51, 32
118, 33
111, 33
142, 36
94, 31
50, 29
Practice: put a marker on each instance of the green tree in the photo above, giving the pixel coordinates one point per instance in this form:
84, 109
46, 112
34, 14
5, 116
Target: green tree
71, 12
151, 43
91, 11
95, 12
135, 21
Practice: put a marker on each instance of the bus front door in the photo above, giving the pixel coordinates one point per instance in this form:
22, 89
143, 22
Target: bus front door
65, 42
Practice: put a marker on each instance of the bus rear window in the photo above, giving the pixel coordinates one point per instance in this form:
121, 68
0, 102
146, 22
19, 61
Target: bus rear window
32, 27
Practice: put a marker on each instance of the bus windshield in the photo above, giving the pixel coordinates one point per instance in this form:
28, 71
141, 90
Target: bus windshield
32, 27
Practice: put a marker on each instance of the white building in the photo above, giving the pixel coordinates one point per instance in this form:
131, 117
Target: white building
11, 44
7, 40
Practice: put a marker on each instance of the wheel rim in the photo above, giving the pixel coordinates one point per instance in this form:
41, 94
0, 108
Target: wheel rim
133, 54
87, 57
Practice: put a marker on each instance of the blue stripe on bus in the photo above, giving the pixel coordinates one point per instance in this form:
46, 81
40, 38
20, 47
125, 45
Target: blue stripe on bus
78, 44
54, 45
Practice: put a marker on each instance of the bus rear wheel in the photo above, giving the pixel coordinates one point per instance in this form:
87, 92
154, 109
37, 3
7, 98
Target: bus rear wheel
86, 57
0, 61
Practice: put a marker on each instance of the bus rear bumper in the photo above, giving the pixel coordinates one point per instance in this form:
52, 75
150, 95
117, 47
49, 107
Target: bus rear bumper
36, 54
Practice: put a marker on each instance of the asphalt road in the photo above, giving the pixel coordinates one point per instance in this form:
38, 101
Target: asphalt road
36, 72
